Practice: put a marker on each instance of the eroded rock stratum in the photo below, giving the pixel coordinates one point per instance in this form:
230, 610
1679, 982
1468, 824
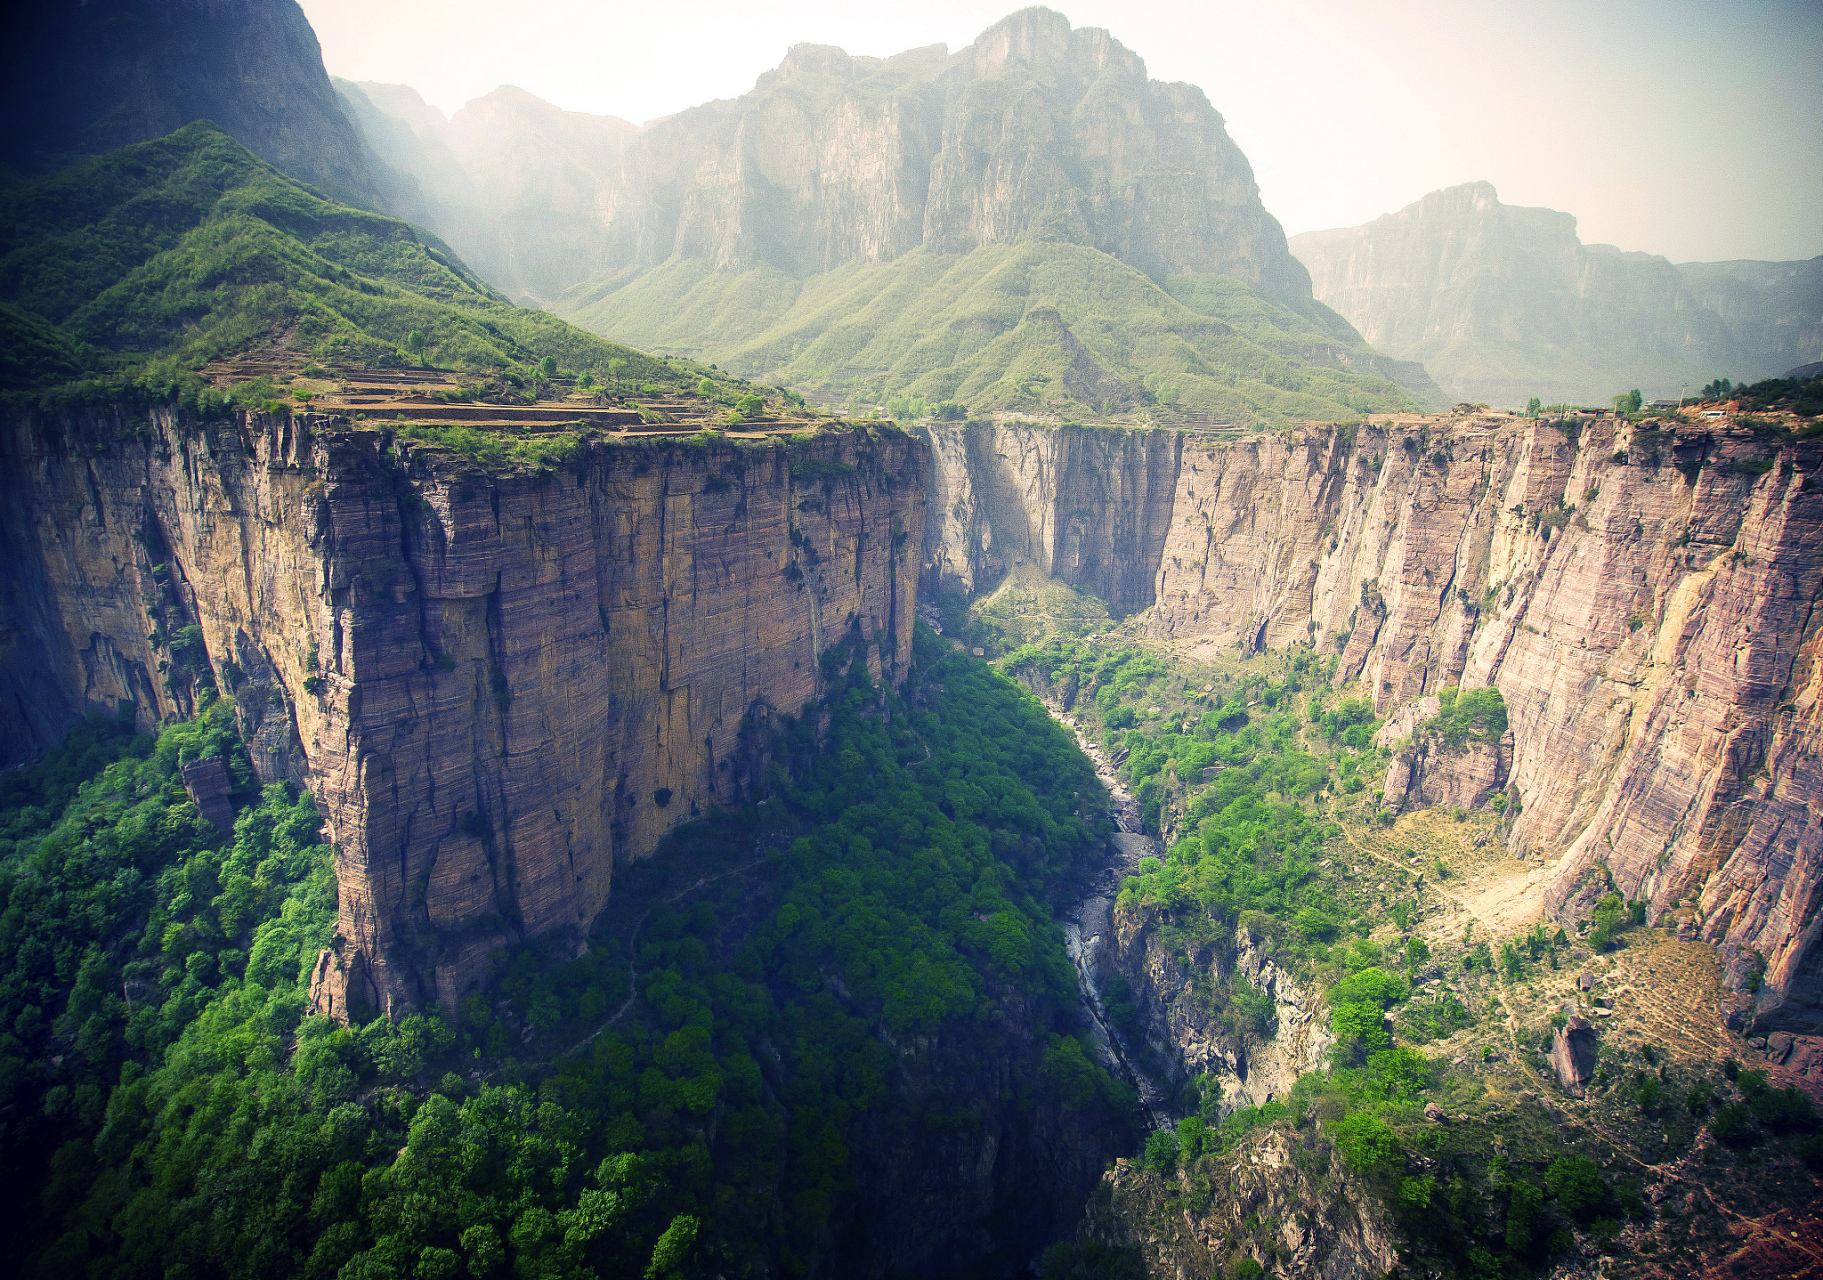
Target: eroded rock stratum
497, 683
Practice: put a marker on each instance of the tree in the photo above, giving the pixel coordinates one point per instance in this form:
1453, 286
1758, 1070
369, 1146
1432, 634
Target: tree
1628, 402
1533, 406
616, 367
585, 380
706, 388
547, 367
414, 341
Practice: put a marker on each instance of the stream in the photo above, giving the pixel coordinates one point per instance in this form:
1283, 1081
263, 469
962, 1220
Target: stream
1089, 925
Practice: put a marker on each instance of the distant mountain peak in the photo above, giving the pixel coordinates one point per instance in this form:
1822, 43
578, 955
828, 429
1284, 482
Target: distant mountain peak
1503, 302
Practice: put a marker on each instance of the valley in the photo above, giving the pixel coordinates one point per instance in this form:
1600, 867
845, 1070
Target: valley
877, 677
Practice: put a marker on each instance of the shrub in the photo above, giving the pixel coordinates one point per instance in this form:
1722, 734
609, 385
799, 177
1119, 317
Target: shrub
1366, 1141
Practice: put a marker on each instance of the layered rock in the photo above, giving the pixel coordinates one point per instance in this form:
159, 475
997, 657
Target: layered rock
1502, 303
496, 684
1643, 599
1090, 507
1429, 773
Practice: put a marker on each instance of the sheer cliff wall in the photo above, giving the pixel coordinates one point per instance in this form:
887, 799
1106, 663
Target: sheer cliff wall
1644, 600
496, 682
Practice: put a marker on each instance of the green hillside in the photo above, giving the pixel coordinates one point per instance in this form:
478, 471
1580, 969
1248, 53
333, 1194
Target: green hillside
158, 257
1037, 325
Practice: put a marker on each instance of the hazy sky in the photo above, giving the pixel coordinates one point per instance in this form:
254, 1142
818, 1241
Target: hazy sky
1689, 129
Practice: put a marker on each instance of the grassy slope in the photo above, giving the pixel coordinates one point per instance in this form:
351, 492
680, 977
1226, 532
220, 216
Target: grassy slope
1036, 325
189, 248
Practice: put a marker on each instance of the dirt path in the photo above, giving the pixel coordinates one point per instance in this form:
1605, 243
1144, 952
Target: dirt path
633, 953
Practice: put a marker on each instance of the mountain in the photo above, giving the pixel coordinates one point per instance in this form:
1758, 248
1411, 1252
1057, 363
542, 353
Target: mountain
190, 248
84, 78
1502, 303
513, 180
1038, 159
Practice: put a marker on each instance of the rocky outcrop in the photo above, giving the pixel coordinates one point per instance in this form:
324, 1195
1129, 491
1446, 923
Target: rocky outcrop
1501, 303
1573, 1050
1644, 599
1279, 1199
83, 79
1429, 773
496, 684
1178, 988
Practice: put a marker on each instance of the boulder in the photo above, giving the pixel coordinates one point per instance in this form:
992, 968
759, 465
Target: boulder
1573, 1055
208, 783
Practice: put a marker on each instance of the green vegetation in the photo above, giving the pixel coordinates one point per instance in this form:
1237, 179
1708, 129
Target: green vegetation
1792, 395
174, 1107
1039, 325
1477, 715
128, 271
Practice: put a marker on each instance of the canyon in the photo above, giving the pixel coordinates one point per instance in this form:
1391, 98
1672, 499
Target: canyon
1642, 597
500, 685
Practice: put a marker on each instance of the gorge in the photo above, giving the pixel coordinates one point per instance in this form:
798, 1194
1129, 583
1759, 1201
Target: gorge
928, 709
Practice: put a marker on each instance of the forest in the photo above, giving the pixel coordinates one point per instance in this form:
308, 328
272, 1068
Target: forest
692, 1096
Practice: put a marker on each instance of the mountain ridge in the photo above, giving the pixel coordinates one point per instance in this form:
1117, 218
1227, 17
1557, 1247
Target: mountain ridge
1503, 302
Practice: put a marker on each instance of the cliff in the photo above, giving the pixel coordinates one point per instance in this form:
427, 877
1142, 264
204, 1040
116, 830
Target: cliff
1502, 303
1642, 598
1175, 983
86, 78
496, 683
1277, 1200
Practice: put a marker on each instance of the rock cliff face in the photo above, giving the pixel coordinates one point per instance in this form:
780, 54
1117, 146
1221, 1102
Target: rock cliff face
1088, 506
1274, 1201
1172, 982
1036, 128
496, 685
1502, 303
1645, 601
85, 78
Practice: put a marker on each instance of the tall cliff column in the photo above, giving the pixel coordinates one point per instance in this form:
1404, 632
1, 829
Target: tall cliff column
496, 682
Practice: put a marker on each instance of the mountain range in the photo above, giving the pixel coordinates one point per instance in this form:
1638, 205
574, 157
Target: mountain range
1028, 223
1501, 303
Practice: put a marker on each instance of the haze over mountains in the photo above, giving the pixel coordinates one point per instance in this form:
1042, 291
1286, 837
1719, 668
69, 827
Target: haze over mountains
1501, 303
1028, 223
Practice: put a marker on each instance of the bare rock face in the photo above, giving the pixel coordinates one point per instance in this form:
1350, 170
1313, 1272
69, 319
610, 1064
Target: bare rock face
1036, 128
1644, 600
208, 785
495, 685
1170, 986
1266, 1205
1573, 1055
1432, 774
1088, 506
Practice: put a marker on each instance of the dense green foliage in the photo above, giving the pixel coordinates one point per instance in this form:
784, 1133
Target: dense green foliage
896, 888
1038, 325
139, 265
1794, 395
1473, 715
